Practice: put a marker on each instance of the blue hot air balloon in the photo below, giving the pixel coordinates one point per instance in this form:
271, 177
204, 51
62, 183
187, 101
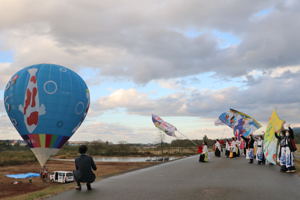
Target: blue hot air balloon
46, 103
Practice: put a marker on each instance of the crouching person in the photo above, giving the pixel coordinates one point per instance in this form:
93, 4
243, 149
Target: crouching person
84, 165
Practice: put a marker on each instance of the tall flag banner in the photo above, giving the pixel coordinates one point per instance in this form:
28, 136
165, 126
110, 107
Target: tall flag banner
270, 141
218, 122
167, 128
241, 123
227, 118
245, 124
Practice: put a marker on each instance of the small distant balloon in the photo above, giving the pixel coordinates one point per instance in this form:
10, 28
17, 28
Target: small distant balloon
46, 103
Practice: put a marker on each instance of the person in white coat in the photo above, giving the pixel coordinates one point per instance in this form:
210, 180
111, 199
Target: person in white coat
218, 148
233, 148
227, 148
204, 153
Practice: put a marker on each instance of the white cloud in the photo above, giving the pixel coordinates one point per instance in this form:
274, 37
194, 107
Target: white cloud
6, 73
137, 40
125, 98
171, 84
259, 98
114, 132
142, 41
7, 130
279, 71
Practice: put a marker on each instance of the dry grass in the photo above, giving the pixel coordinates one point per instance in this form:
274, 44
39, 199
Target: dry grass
171, 151
38, 189
8, 158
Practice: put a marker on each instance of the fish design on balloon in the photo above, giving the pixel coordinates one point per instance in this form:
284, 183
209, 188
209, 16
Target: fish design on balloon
31, 107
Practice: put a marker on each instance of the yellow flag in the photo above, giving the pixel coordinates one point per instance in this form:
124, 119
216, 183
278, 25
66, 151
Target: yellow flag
276, 122
270, 141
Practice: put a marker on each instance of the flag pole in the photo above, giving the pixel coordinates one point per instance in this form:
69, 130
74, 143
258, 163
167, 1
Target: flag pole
161, 142
187, 138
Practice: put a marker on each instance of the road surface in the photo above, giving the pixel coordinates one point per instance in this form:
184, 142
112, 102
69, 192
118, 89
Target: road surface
187, 179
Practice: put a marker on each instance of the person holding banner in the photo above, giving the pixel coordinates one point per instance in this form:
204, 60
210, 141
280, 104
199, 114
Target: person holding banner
286, 156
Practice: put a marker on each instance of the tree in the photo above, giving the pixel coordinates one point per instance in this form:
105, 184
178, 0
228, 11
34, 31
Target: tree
160, 140
205, 138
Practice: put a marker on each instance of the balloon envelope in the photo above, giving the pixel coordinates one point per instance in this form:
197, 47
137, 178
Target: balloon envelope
46, 103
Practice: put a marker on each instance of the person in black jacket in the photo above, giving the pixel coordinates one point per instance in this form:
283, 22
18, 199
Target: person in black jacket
249, 145
286, 150
84, 165
281, 154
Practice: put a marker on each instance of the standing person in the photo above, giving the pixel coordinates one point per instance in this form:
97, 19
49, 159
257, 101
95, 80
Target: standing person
292, 147
254, 147
238, 143
250, 145
233, 149
84, 165
227, 148
282, 149
286, 150
204, 154
200, 150
242, 147
218, 148
44, 174
245, 149
259, 150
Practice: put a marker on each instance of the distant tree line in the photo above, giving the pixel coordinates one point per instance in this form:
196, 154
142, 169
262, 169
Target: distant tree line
5, 145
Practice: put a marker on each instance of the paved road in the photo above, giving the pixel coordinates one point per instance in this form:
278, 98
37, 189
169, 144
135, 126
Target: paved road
187, 179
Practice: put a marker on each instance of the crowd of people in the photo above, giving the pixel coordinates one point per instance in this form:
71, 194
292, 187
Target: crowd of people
252, 148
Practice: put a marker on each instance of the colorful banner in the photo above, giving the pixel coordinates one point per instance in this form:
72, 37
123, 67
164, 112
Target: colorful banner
228, 118
164, 126
218, 122
241, 123
270, 141
245, 124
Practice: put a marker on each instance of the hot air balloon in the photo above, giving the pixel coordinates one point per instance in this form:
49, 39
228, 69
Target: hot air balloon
46, 103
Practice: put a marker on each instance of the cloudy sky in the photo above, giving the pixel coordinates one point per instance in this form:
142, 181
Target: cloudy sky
187, 61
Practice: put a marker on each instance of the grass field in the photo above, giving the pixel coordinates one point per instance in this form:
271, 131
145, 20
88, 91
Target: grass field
16, 157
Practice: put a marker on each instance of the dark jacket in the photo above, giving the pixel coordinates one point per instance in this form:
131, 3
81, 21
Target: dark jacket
287, 141
291, 133
280, 139
84, 165
249, 142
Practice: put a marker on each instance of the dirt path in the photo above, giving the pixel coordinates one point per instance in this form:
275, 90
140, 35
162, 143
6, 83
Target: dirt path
8, 189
